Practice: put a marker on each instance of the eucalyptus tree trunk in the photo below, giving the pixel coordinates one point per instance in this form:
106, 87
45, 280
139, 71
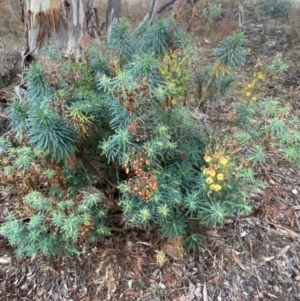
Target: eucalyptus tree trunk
152, 10
112, 14
165, 5
59, 23
149, 16
241, 5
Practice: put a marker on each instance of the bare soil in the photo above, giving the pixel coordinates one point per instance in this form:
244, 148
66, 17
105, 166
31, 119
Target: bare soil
253, 259
12, 41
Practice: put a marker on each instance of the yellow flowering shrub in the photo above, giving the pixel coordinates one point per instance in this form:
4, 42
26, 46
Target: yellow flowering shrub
220, 176
258, 76
224, 160
215, 187
207, 158
262, 73
209, 180
209, 171
217, 170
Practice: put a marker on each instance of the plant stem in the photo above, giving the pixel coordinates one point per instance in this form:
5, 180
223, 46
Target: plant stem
205, 92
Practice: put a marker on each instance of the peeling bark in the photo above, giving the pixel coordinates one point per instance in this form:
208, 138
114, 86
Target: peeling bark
59, 23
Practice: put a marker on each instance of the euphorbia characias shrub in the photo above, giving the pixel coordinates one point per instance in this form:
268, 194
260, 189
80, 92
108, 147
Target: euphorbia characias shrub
118, 117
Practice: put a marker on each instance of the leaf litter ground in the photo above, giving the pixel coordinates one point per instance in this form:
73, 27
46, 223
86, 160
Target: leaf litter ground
251, 259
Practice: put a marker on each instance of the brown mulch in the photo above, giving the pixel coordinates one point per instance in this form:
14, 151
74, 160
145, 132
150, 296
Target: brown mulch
251, 259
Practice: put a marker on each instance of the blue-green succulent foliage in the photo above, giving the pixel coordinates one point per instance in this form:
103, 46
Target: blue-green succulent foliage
112, 107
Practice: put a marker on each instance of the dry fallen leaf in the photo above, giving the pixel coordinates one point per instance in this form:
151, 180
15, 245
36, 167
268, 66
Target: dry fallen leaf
144, 243
129, 246
160, 257
237, 259
272, 296
268, 258
284, 232
176, 271
283, 251
215, 279
190, 295
139, 264
205, 298
181, 298
280, 268
174, 248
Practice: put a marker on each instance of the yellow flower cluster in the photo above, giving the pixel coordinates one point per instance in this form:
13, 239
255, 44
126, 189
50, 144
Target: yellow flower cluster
215, 172
209, 171
258, 75
215, 187
207, 158
222, 160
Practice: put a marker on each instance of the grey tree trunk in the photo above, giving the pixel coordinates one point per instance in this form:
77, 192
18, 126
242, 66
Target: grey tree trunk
152, 10
149, 16
241, 5
58, 23
166, 5
112, 14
